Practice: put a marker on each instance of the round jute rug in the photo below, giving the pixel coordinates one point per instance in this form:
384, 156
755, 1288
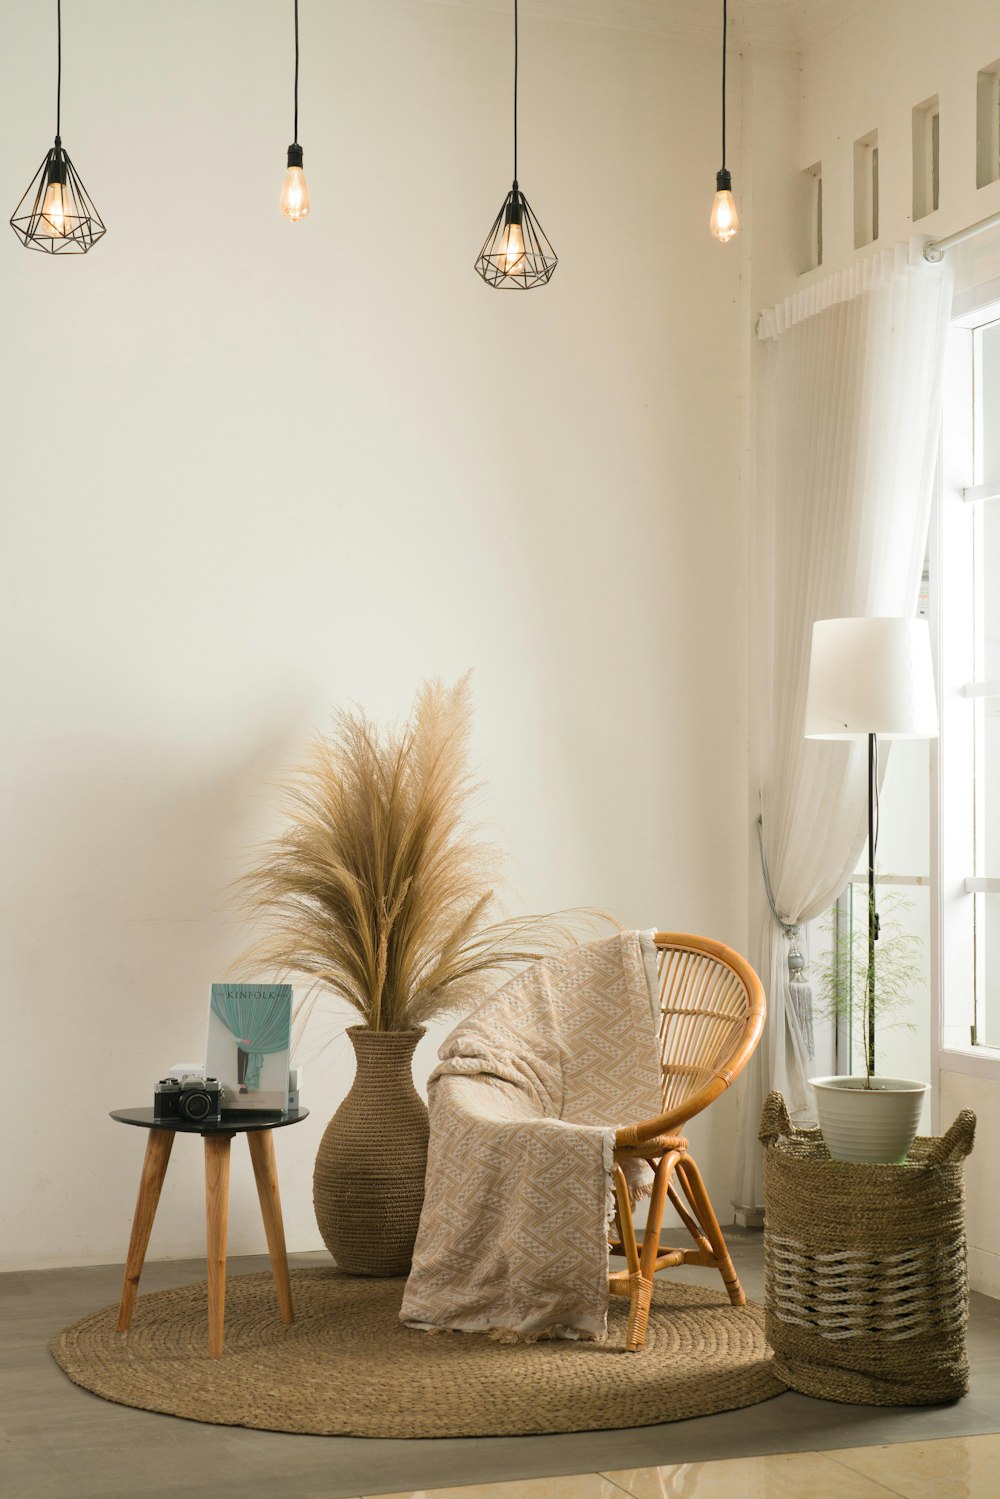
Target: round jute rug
348, 1367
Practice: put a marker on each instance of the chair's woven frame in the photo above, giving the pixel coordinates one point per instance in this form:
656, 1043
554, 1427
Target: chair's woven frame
712, 1011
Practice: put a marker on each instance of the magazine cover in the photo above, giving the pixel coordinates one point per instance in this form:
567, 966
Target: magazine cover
249, 1038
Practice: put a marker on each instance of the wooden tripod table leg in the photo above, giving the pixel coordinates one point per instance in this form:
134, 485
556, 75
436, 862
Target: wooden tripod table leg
265, 1170
154, 1169
217, 1223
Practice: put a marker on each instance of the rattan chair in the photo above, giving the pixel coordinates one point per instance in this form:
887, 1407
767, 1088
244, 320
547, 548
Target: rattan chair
712, 1011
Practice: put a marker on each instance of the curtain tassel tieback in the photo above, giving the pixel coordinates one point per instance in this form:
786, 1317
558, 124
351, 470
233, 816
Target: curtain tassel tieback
799, 988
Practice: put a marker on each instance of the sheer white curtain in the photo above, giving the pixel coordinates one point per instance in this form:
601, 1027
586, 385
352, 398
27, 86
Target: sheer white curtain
847, 445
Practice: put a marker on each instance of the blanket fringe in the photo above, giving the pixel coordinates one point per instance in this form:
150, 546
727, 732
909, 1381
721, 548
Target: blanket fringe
553, 1331
638, 1178
610, 1200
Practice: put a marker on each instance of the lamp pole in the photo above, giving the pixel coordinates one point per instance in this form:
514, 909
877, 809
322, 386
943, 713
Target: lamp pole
872, 913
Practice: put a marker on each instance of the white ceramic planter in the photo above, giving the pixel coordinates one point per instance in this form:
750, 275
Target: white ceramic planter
868, 1124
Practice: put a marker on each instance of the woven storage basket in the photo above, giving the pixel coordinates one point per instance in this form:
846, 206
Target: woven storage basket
865, 1266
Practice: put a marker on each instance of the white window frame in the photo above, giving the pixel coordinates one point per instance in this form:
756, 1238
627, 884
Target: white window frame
955, 519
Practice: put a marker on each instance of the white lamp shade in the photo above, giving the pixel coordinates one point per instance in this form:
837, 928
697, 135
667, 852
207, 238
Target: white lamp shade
871, 676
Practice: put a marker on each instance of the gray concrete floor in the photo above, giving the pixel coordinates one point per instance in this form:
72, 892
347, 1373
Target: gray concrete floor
59, 1442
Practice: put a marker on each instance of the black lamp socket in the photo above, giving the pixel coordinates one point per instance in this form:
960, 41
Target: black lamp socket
512, 214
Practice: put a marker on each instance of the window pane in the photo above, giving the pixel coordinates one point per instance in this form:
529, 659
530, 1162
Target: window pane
904, 809
988, 437
902, 1036
988, 970
989, 670
988, 788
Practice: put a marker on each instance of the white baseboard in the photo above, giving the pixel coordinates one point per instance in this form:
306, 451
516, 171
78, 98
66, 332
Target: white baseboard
748, 1217
984, 1271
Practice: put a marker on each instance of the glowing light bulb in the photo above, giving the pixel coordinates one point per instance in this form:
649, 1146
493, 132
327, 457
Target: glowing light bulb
56, 221
725, 221
294, 195
510, 252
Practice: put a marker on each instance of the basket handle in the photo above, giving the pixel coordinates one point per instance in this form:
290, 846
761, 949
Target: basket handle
775, 1121
956, 1143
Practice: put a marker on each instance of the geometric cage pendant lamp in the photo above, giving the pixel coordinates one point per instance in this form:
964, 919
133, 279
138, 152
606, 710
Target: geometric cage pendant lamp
56, 214
724, 222
516, 255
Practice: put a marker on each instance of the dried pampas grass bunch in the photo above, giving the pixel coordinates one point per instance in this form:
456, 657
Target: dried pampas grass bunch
380, 889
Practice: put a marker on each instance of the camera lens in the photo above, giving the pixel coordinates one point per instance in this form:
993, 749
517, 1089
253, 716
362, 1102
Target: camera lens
197, 1105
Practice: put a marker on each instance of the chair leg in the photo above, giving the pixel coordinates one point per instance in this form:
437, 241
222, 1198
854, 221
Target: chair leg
640, 1290
625, 1224
654, 1214
693, 1227
640, 1297
694, 1189
642, 1264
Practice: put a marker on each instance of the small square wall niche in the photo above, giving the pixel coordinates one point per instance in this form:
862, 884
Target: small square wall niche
811, 217
926, 158
988, 125
866, 190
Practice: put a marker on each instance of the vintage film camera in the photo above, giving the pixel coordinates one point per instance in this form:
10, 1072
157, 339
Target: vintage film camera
189, 1099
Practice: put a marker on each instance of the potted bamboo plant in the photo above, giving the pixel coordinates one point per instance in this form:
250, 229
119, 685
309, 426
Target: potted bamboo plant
865, 1116
380, 891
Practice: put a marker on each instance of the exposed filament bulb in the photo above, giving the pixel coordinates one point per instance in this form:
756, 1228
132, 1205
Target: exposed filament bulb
511, 250
725, 221
56, 220
294, 192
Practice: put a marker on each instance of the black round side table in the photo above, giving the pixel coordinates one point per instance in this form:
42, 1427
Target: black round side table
217, 1137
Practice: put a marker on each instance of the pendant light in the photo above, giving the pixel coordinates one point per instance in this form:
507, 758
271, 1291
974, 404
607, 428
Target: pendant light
516, 254
725, 221
56, 214
294, 192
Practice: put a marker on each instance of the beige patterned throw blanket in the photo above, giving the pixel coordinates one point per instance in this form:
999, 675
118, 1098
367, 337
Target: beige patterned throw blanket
524, 1107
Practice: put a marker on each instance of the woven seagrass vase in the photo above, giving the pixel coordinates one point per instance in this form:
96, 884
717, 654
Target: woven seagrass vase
368, 1181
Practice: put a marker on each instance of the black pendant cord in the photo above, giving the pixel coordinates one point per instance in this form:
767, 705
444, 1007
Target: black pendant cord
58, 72
725, 29
295, 130
515, 91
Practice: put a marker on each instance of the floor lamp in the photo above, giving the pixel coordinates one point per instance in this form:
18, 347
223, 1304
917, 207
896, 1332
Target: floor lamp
871, 678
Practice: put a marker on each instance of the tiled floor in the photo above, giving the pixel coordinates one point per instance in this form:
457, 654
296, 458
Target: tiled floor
962, 1468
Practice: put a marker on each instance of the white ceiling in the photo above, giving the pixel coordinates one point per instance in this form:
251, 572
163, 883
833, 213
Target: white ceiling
797, 21
785, 24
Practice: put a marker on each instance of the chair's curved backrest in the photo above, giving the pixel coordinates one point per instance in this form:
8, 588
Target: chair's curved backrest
712, 1011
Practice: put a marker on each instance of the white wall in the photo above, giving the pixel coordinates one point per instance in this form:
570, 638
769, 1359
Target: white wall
253, 470
982, 1207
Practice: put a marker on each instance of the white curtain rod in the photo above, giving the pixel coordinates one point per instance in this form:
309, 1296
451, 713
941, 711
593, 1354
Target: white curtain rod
934, 251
